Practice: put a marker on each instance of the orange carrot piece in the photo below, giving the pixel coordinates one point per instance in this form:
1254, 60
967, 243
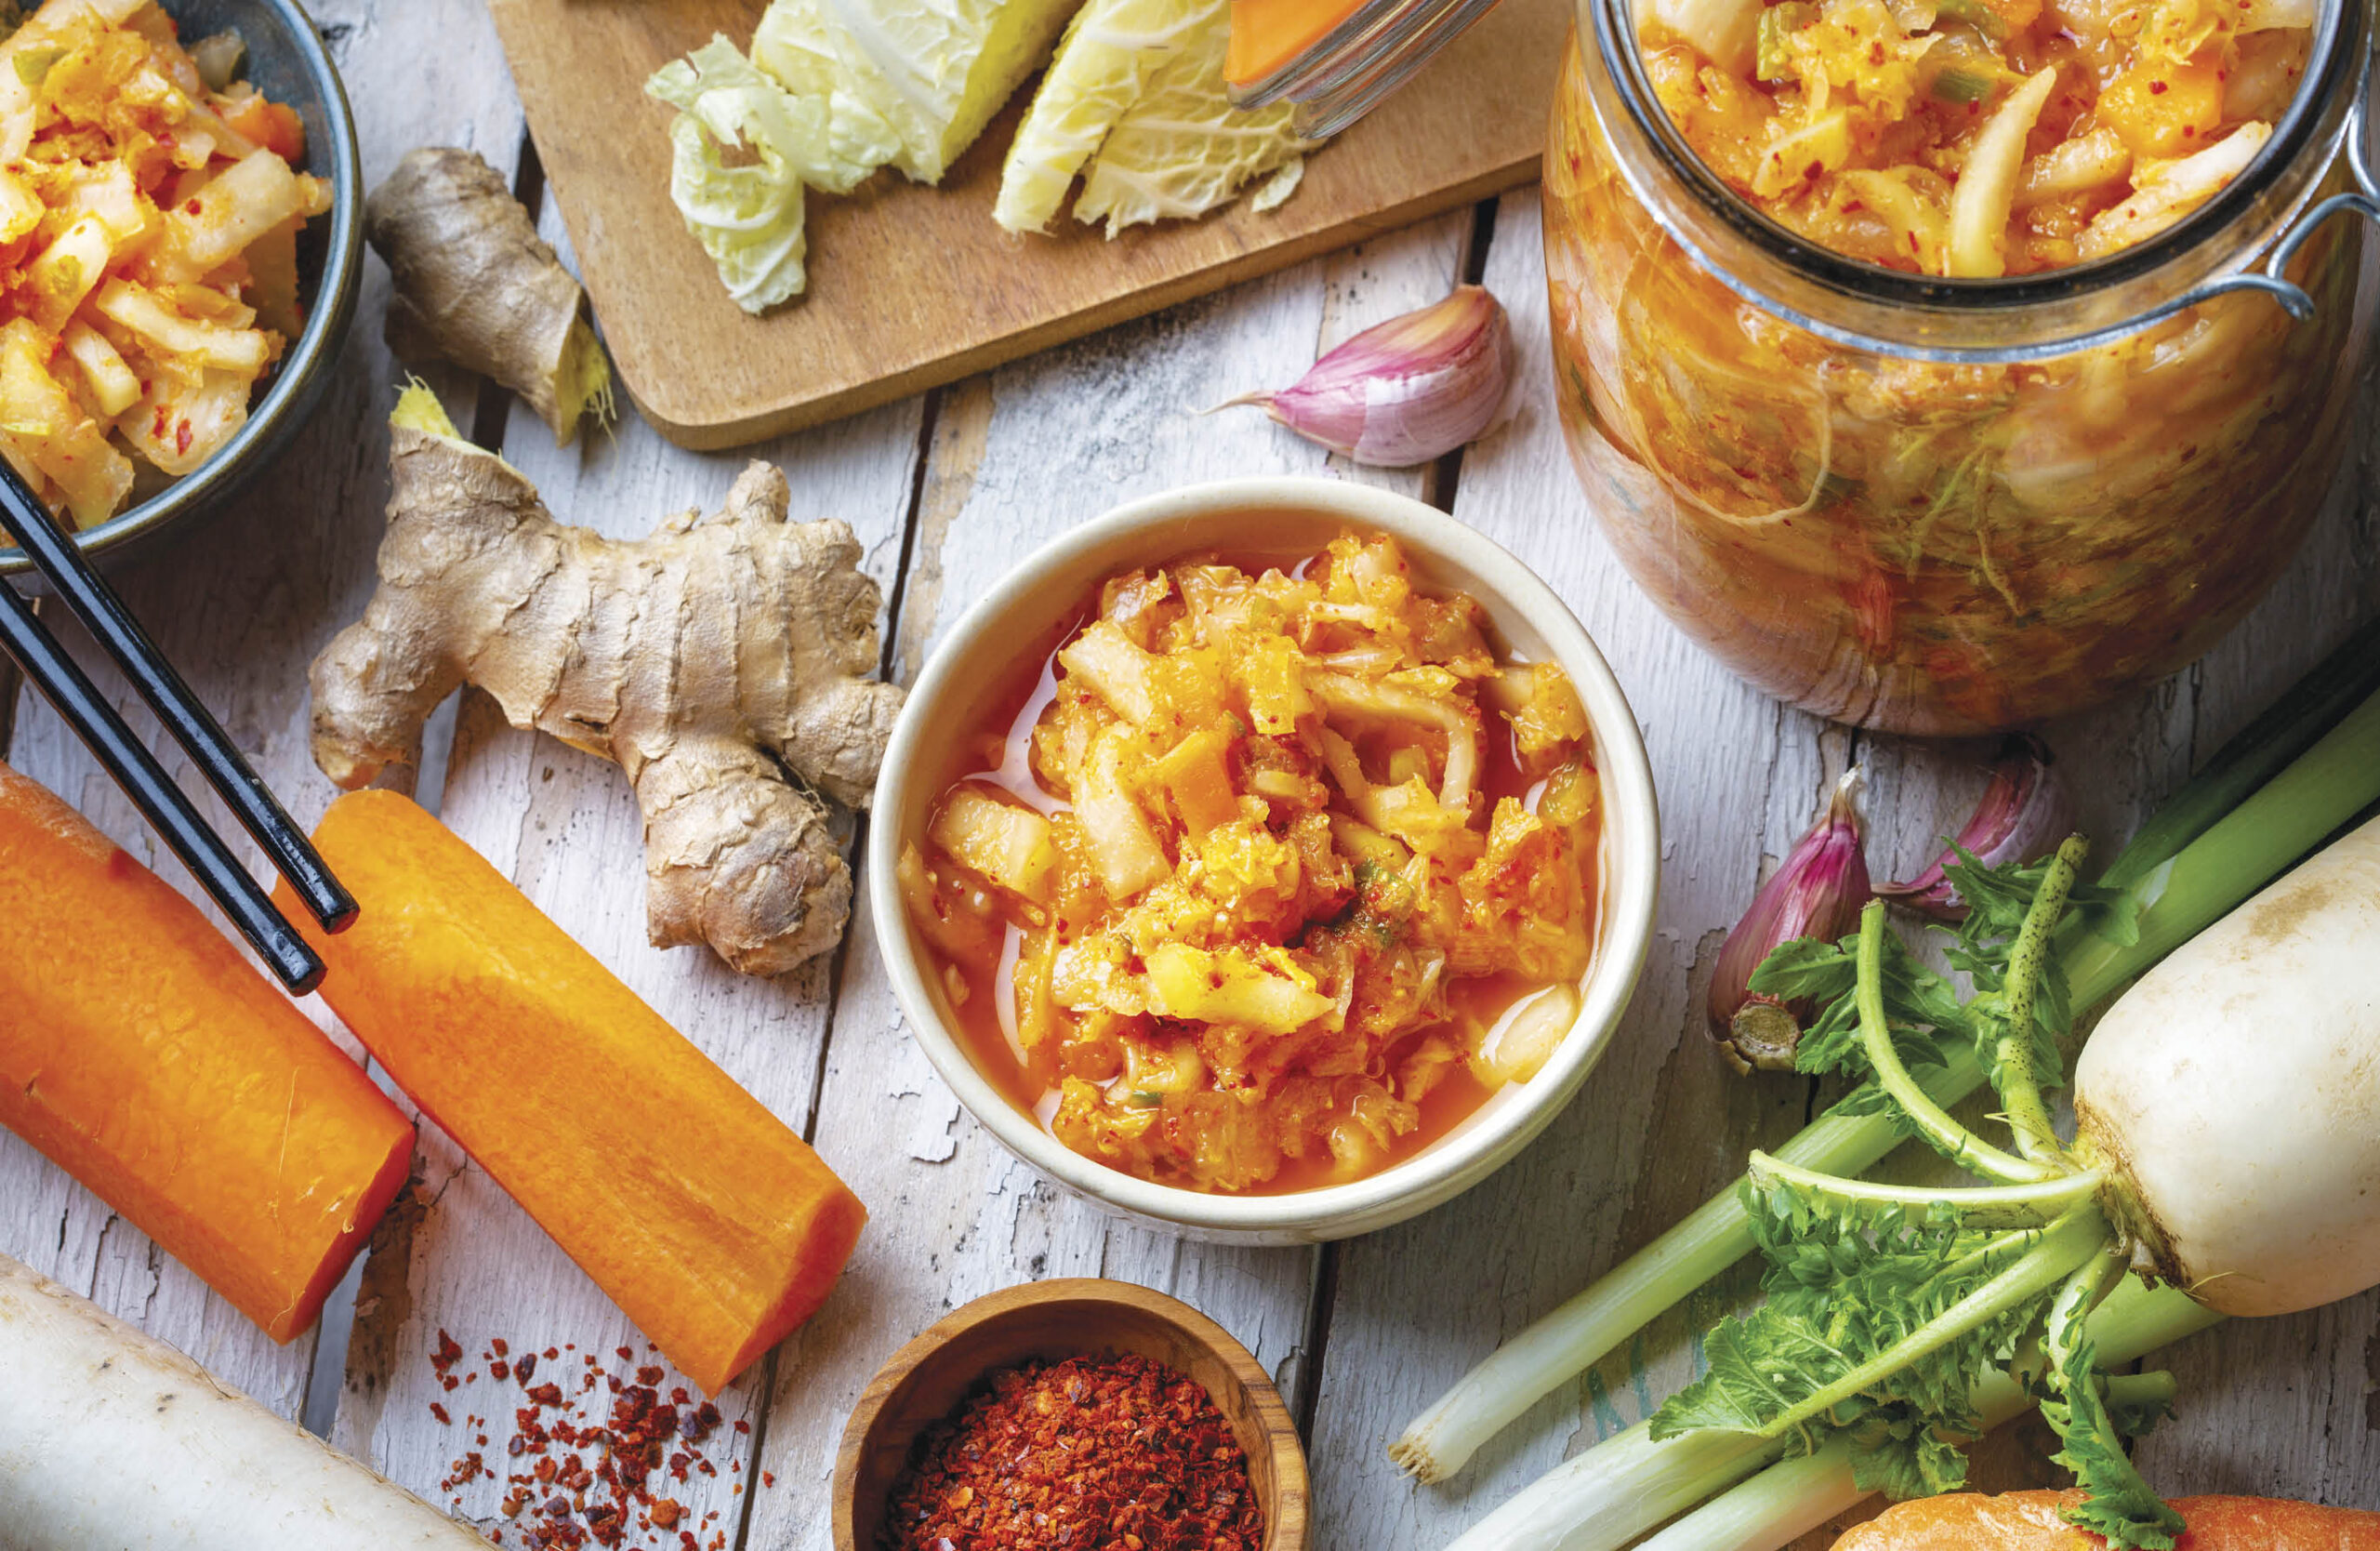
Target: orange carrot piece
705, 1217
2030, 1522
142, 1054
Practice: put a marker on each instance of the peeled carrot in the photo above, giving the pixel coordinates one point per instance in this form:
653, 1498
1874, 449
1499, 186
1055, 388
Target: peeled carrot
2030, 1522
141, 1054
706, 1218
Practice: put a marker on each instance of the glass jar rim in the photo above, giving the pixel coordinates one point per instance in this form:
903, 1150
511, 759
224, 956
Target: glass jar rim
2336, 72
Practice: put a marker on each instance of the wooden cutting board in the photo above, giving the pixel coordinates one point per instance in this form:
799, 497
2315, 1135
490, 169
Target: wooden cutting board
910, 285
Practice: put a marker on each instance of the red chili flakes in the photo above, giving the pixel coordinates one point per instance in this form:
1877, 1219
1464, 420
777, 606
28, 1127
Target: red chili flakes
581, 1477
1080, 1455
439, 1411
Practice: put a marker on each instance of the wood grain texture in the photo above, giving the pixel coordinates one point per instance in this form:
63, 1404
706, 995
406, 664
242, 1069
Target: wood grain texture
947, 491
933, 1375
239, 603
1017, 458
1661, 1122
911, 285
566, 828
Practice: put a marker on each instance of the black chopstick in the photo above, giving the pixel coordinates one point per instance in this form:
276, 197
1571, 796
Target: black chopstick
59, 558
64, 683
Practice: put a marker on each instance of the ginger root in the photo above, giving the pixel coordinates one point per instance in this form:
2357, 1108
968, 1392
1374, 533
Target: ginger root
476, 286
722, 662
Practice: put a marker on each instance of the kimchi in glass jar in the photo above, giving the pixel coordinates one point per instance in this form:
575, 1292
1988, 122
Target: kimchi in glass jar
1949, 364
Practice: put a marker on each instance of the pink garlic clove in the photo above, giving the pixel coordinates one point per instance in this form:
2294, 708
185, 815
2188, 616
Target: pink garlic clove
1407, 391
2025, 812
1816, 892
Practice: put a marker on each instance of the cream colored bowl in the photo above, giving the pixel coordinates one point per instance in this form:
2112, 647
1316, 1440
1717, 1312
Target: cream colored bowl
977, 657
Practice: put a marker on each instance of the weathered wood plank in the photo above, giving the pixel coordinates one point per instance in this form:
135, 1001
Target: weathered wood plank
1017, 458
1737, 777
566, 827
2288, 1406
240, 604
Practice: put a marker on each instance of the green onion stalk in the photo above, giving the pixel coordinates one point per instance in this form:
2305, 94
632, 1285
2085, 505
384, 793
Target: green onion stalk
2265, 800
1795, 1496
1742, 1495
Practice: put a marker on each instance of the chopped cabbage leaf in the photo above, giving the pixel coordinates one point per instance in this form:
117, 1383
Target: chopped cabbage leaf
1111, 49
748, 218
1181, 149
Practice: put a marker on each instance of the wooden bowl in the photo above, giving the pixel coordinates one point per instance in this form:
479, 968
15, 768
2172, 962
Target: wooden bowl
928, 1379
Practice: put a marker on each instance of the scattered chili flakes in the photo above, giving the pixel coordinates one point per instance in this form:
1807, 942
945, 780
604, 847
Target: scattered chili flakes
580, 1477
1080, 1455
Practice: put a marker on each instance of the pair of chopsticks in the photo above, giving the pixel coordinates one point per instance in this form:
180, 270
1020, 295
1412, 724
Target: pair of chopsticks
56, 554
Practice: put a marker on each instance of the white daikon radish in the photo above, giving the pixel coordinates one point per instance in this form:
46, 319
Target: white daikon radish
2234, 1095
111, 1440
2228, 1143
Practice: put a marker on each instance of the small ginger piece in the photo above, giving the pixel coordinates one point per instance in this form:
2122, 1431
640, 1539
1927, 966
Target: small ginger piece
476, 286
722, 662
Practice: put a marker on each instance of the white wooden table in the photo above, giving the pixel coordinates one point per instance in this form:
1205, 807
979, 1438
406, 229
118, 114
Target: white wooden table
944, 491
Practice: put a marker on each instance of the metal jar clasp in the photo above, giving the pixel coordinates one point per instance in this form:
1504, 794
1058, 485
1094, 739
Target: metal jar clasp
2363, 200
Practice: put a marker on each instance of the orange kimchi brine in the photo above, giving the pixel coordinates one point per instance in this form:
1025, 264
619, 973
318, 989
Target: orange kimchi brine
1267, 873
1927, 449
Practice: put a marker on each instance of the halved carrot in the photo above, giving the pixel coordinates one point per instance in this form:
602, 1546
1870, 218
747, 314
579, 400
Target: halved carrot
141, 1054
705, 1217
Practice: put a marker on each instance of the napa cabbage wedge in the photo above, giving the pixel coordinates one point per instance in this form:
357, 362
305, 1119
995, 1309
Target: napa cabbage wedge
910, 82
1183, 149
794, 46
1111, 49
1135, 101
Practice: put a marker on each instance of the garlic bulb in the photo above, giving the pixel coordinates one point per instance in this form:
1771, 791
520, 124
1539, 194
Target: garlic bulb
1407, 391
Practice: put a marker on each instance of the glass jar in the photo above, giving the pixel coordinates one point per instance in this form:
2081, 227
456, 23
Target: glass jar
1336, 59
1950, 506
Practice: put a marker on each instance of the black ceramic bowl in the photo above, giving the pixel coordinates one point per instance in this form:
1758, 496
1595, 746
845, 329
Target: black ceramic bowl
288, 62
